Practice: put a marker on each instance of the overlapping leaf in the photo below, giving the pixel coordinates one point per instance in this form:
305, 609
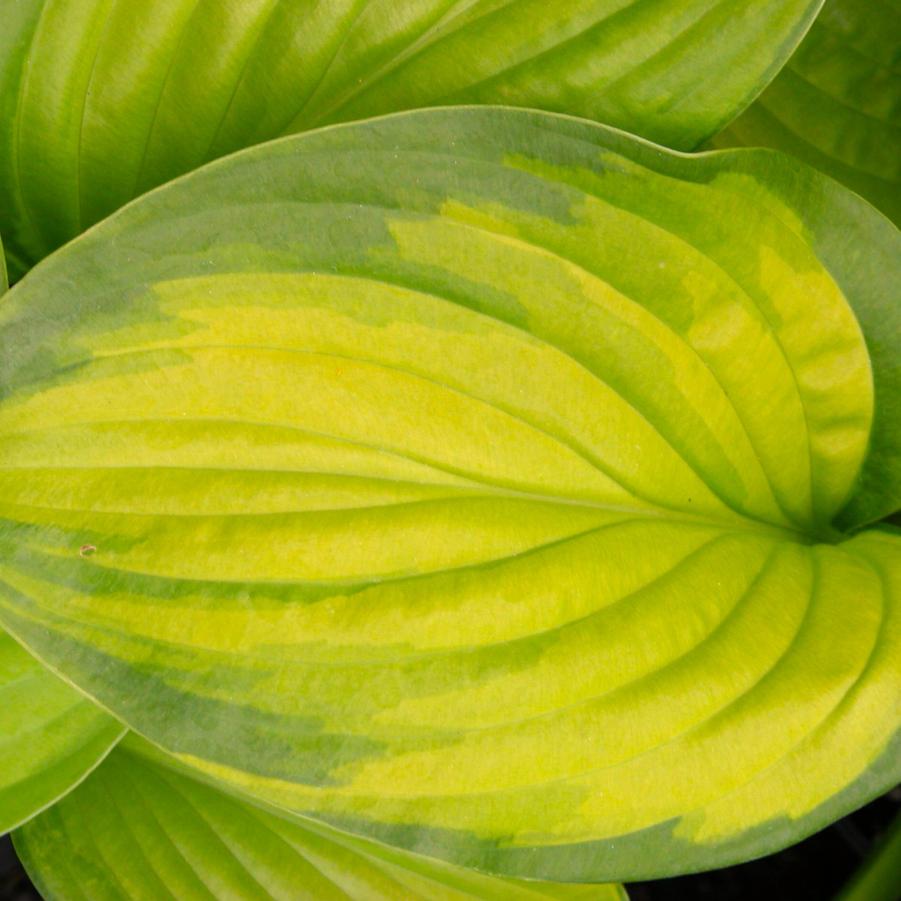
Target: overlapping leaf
837, 104
4, 276
138, 830
466, 478
103, 99
50, 736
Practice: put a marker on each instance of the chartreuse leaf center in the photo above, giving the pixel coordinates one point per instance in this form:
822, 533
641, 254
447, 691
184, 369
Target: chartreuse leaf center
461, 478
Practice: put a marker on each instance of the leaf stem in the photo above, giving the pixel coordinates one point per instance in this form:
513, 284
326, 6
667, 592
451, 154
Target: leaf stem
879, 877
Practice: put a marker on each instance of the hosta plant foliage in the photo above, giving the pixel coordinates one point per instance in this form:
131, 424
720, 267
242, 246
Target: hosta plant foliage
103, 99
173, 837
837, 104
484, 482
50, 735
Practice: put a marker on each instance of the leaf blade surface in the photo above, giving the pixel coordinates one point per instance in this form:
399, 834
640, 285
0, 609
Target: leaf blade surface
52, 736
139, 829
105, 100
436, 492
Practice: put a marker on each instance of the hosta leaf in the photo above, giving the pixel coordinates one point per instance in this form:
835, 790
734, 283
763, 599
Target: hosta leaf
50, 735
465, 478
837, 106
837, 103
138, 830
103, 99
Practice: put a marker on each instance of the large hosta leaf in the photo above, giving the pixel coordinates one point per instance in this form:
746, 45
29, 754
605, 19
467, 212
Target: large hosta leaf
102, 99
837, 104
465, 478
50, 735
137, 830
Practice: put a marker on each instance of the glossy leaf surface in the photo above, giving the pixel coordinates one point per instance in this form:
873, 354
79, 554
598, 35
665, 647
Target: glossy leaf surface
465, 478
50, 735
137, 830
837, 103
103, 99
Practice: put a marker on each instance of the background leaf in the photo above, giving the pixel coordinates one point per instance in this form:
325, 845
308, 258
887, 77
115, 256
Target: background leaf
837, 103
103, 99
4, 278
138, 830
465, 478
50, 736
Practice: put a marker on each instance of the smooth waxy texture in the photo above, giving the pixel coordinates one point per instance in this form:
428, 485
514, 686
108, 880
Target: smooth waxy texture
137, 830
103, 99
837, 103
466, 478
50, 736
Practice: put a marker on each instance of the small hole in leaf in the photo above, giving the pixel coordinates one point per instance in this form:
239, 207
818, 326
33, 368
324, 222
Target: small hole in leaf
86, 550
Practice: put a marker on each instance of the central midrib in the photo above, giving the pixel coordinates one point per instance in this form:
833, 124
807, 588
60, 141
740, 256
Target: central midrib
477, 489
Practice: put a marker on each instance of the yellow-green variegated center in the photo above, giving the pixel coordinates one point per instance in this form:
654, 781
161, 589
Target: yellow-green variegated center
462, 479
